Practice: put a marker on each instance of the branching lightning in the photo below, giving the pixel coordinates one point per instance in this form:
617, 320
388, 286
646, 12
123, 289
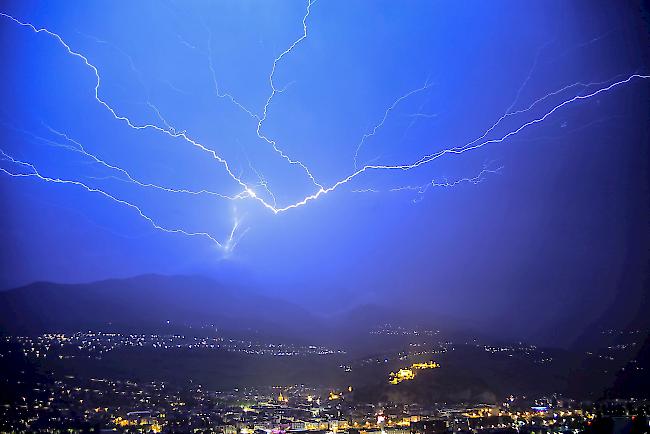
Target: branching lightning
246, 190
420, 190
33, 172
79, 148
275, 91
215, 82
170, 132
383, 119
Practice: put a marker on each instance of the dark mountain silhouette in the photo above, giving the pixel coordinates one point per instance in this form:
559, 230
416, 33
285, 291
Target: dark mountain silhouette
175, 303
148, 301
154, 301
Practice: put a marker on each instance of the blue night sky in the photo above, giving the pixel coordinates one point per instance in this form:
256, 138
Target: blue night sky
555, 215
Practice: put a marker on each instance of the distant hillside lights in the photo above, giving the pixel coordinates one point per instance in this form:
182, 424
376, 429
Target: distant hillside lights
407, 374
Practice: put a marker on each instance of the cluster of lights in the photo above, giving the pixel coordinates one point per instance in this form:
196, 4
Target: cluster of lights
97, 343
407, 374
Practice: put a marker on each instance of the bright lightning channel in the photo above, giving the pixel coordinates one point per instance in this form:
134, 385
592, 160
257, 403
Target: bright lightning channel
420, 190
172, 133
247, 190
78, 147
458, 149
33, 172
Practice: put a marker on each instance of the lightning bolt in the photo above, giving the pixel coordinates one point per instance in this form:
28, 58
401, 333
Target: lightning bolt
247, 190
77, 147
235, 237
457, 150
33, 172
445, 183
528, 77
532, 105
383, 119
275, 91
170, 132
215, 82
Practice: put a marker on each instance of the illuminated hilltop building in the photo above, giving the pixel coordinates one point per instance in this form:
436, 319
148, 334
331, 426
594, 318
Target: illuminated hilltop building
401, 375
334, 396
425, 365
407, 374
